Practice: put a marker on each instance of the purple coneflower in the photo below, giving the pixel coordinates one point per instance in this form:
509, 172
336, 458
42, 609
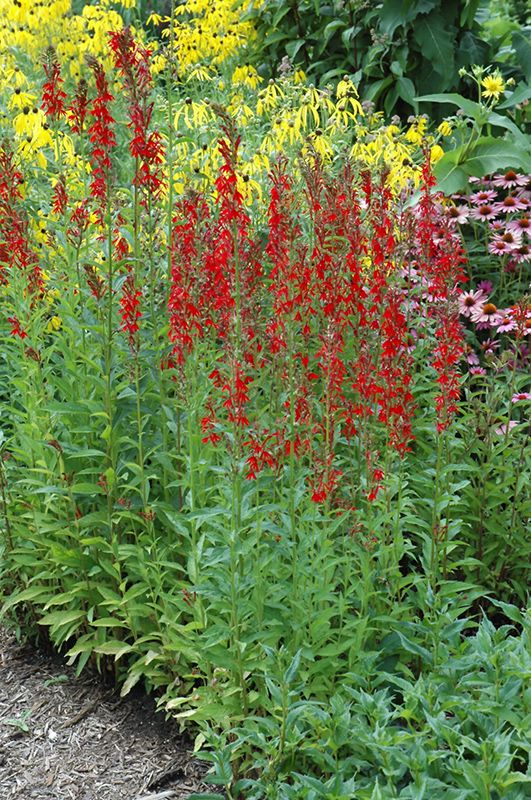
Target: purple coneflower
522, 225
522, 253
485, 287
510, 180
458, 214
489, 346
497, 226
484, 212
470, 301
477, 371
483, 197
507, 323
486, 315
499, 248
513, 238
510, 204
472, 358
520, 396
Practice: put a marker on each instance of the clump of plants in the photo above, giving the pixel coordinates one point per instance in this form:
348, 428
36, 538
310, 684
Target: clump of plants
244, 459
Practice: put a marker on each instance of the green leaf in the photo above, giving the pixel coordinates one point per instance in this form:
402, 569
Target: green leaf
492, 155
520, 94
436, 43
113, 648
109, 622
522, 46
291, 672
58, 618
377, 87
31, 593
504, 122
292, 48
406, 90
396, 13
130, 682
451, 176
454, 99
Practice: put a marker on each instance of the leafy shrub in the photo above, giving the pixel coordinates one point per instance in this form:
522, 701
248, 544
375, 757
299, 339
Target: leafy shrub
395, 50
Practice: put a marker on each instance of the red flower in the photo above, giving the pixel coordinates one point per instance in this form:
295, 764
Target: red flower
16, 328
53, 96
101, 135
130, 310
77, 112
59, 197
146, 147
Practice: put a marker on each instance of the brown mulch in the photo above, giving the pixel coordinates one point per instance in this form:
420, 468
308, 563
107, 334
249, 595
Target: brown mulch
83, 742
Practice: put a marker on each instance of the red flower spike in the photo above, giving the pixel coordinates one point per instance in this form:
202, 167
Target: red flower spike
53, 96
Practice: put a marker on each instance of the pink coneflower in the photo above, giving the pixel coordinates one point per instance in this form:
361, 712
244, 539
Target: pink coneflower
483, 197
485, 314
477, 371
507, 426
499, 248
489, 346
458, 214
483, 212
472, 358
510, 204
497, 226
520, 396
507, 323
512, 238
522, 225
470, 301
485, 287
509, 180
521, 253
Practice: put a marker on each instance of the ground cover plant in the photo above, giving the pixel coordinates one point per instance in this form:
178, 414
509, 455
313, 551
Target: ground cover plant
265, 430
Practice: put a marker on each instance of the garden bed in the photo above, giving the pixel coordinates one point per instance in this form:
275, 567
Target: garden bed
66, 738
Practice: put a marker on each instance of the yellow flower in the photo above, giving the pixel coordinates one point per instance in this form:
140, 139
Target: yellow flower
445, 128
493, 86
436, 153
246, 76
54, 324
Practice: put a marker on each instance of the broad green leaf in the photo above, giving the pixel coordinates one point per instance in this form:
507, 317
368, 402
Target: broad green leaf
109, 622
469, 106
520, 94
504, 122
451, 176
437, 43
291, 672
396, 13
522, 46
492, 155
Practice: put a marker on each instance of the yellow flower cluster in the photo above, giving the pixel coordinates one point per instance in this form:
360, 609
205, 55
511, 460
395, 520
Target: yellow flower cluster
286, 115
28, 27
202, 32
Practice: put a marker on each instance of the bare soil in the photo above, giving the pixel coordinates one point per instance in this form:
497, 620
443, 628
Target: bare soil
68, 738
